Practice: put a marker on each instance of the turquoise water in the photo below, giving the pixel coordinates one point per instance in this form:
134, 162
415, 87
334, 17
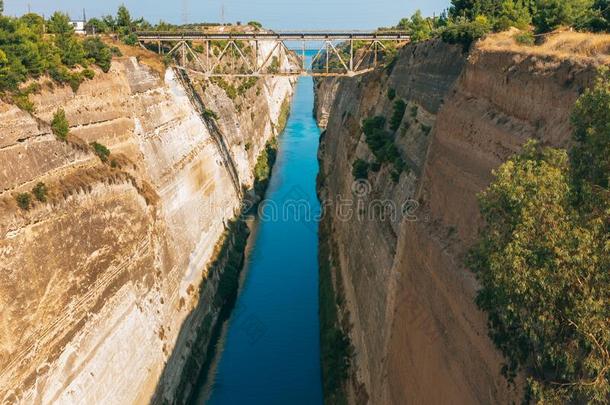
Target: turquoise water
271, 351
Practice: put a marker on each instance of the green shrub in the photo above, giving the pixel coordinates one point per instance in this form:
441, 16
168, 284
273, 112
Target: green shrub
381, 142
24, 200
59, 23
465, 32
414, 111
98, 51
525, 38
274, 66
228, 88
370, 124
88, 74
40, 191
59, 125
512, 13
264, 164
418, 27
101, 151
360, 169
399, 112
22, 100
130, 39
391, 94
426, 129
247, 85
209, 114
255, 24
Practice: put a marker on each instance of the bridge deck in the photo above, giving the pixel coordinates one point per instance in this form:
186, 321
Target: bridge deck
282, 36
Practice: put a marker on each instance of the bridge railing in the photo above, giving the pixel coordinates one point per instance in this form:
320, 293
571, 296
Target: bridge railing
351, 61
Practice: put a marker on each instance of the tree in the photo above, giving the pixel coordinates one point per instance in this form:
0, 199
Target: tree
466, 32
552, 14
97, 26
97, 50
60, 24
542, 279
470, 9
1, 7
419, 28
543, 256
71, 50
34, 22
591, 154
123, 18
513, 13
110, 22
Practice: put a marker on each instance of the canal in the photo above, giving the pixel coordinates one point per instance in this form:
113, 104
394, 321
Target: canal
270, 351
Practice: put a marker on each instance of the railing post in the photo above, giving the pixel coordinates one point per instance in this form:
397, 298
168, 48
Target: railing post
351, 55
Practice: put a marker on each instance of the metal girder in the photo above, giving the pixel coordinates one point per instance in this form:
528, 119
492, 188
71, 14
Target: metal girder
251, 68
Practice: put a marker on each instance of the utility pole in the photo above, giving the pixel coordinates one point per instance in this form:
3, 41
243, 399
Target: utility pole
222, 13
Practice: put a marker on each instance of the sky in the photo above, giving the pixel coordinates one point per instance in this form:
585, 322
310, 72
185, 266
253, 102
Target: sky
275, 14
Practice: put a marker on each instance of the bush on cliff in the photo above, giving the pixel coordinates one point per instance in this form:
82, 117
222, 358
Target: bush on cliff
24, 200
542, 260
101, 151
397, 115
99, 52
59, 125
381, 143
465, 32
360, 169
40, 191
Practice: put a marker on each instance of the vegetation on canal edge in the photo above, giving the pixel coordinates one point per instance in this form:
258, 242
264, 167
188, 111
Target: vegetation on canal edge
264, 166
543, 257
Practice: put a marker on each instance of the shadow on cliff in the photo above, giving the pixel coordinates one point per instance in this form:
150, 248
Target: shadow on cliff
189, 364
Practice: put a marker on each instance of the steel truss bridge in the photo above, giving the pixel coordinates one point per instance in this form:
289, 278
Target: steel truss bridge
337, 55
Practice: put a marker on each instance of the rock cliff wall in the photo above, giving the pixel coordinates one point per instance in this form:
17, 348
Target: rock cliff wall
417, 333
97, 282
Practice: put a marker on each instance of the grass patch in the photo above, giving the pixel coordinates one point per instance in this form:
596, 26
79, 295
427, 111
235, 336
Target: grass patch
525, 38
40, 191
101, 151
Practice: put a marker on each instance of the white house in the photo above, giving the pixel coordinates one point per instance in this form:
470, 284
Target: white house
79, 27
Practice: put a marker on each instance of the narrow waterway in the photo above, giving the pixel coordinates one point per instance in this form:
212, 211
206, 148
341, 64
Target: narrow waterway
270, 353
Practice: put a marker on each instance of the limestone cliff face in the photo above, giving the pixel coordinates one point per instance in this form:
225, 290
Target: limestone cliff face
417, 333
97, 282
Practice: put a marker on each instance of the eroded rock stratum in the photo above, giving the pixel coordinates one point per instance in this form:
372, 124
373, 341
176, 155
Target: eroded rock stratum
406, 297
97, 283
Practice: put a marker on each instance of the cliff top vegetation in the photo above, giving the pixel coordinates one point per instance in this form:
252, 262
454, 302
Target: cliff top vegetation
468, 20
